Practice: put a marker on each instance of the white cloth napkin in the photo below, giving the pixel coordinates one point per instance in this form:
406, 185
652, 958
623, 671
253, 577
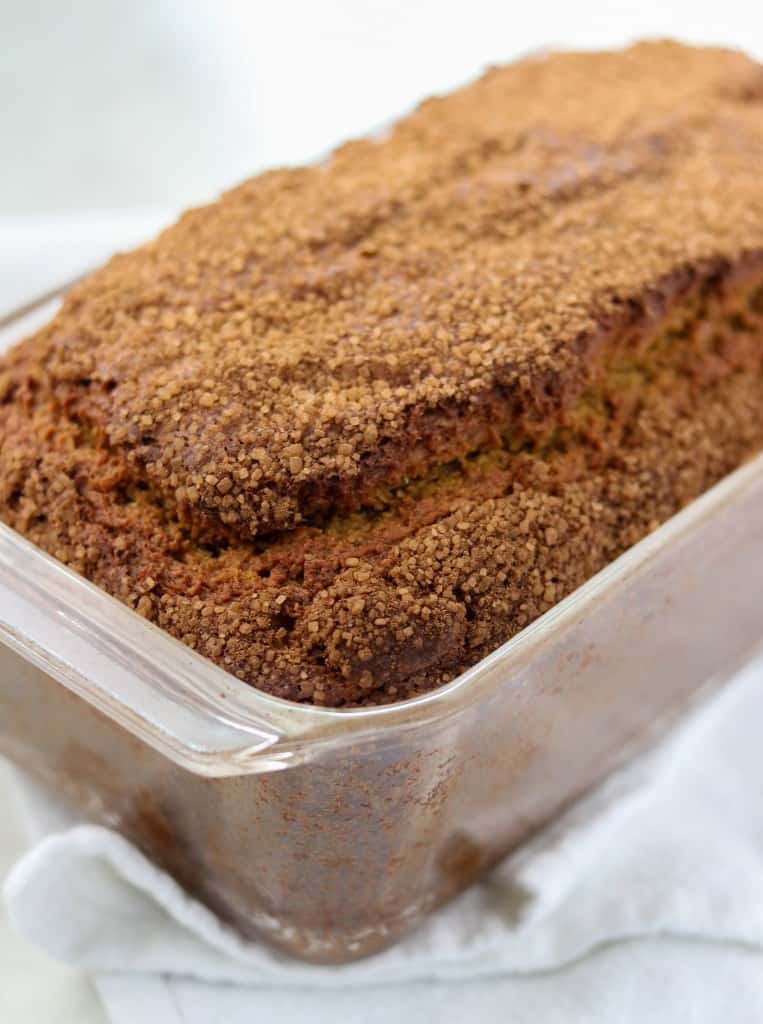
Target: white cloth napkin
644, 903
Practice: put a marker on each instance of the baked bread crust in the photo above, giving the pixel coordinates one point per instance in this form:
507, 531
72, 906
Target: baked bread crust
352, 426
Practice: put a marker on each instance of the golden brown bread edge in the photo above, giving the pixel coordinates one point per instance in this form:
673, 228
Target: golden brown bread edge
520, 345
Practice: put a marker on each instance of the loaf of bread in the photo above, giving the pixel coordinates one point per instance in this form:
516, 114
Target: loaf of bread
351, 427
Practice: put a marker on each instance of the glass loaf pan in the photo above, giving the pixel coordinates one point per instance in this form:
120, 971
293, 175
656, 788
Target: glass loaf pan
331, 833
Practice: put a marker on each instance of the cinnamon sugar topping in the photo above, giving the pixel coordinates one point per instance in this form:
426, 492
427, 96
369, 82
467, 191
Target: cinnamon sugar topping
362, 421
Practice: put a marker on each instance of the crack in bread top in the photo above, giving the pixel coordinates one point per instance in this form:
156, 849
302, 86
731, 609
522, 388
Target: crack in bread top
320, 333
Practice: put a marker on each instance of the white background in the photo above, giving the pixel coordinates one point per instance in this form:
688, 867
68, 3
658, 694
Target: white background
107, 106
163, 102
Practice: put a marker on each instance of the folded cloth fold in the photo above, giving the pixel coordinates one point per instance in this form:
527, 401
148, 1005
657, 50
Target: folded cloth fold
663, 864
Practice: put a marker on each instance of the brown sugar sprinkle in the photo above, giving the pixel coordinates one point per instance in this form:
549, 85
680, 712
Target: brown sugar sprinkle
354, 425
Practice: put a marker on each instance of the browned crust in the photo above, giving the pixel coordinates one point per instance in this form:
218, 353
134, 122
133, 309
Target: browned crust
350, 428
